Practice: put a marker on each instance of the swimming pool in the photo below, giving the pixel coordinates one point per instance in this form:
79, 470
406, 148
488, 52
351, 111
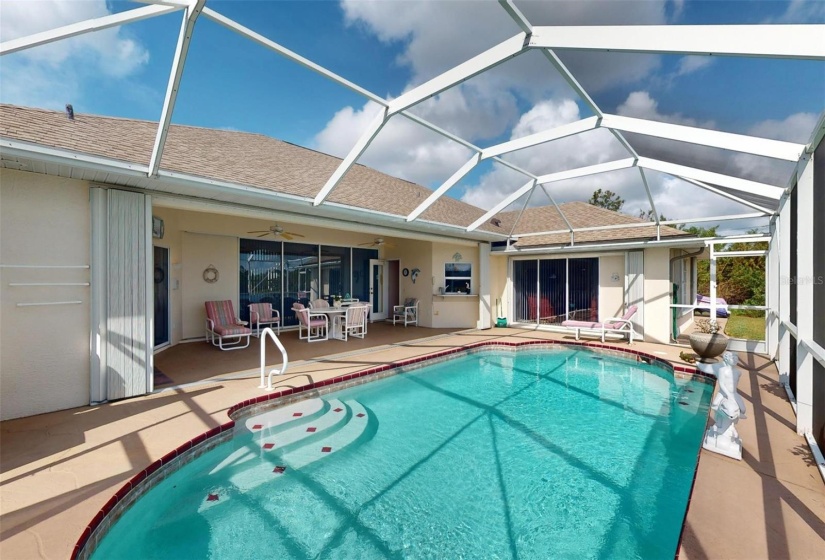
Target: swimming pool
551, 453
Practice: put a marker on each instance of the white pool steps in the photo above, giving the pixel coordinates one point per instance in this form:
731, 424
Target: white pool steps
291, 438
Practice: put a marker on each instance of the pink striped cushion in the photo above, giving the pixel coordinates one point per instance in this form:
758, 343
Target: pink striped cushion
231, 331
317, 323
582, 324
263, 312
221, 312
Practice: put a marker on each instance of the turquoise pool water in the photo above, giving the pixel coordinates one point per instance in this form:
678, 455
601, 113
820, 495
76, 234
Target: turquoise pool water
560, 453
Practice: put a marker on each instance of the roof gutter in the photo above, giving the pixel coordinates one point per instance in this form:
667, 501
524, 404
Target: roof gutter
679, 242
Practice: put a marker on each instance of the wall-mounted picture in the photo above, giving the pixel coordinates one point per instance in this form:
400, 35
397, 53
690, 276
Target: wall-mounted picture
157, 227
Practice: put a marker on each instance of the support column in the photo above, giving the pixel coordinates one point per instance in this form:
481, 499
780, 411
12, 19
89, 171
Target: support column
485, 309
773, 279
784, 232
712, 282
805, 294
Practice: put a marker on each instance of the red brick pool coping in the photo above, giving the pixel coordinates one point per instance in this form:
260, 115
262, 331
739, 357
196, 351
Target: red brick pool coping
190, 445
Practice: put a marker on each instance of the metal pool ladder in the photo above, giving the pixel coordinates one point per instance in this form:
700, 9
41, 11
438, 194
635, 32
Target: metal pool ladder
270, 333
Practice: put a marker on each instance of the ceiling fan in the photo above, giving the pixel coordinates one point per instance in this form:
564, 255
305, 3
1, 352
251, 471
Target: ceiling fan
377, 242
277, 231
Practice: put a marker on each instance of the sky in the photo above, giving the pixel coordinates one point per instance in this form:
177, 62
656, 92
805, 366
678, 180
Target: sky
389, 47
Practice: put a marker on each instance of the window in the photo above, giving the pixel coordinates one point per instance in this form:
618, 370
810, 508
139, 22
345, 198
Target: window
458, 277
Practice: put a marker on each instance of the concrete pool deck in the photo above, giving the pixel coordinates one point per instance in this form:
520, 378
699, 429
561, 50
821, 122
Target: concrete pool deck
59, 469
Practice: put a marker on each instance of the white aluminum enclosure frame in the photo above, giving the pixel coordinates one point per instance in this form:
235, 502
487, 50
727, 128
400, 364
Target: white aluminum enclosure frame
770, 41
777, 41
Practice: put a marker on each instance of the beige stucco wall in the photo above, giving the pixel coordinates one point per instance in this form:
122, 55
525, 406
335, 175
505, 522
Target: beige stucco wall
499, 285
657, 295
611, 292
44, 350
453, 311
413, 254
199, 252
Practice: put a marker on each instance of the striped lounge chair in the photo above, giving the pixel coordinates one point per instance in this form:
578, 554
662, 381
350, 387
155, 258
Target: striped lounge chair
316, 324
262, 314
223, 328
617, 325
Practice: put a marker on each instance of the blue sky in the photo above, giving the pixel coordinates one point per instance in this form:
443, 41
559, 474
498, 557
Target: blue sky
387, 47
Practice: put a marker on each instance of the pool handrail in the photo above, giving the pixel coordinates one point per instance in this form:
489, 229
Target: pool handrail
270, 333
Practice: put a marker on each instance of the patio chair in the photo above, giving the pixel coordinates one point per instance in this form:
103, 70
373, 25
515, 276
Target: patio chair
319, 304
352, 322
617, 325
315, 324
407, 312
263, 314
223, 328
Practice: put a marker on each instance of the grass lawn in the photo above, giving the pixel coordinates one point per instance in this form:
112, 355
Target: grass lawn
752, 328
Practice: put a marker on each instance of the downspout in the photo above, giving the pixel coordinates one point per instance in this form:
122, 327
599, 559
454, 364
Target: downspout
675, 311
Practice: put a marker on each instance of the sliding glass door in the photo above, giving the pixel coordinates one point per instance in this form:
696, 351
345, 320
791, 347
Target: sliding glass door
583, 289
335, 272
285, 273
525, 288
300, 278
260, 280
549, 291
552, 291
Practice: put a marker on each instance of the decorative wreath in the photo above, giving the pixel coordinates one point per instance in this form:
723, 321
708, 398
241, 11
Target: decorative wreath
210, 274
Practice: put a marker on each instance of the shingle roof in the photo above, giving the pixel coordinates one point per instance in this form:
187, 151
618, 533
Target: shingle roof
580, 215
260, 161
238, 157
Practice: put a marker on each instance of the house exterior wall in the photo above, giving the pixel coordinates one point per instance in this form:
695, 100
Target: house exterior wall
199, 252
499, 286
657, 295
44, 350
611, 292
198, 239
453, 311
412, 254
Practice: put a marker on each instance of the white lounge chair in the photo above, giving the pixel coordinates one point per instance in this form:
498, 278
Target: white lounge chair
617, 325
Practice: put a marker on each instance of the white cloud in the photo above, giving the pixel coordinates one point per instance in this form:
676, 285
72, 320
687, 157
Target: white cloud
691, 64
641, 105
438, 35
589, 148
434, 37
794, 128
802, 11
673, 197
402, 148
51, 74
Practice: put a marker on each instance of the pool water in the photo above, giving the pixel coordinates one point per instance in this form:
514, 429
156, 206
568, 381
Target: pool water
559, 453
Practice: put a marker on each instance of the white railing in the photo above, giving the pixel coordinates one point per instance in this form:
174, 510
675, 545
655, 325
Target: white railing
271, 334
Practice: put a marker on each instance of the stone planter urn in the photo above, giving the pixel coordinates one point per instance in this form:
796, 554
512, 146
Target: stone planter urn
708, 346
